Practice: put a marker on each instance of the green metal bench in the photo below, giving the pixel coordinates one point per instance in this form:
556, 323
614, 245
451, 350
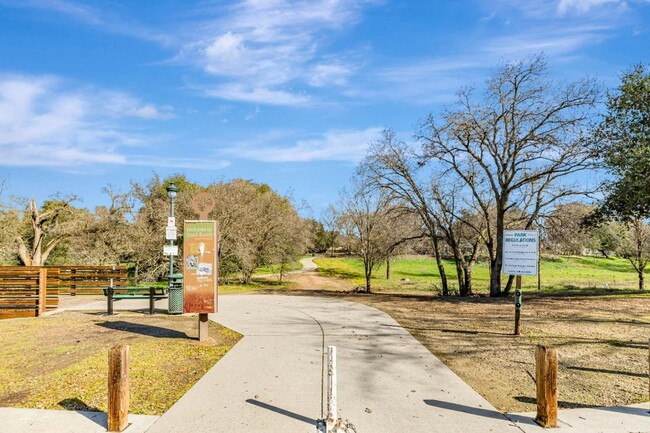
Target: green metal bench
150, 293
137, 292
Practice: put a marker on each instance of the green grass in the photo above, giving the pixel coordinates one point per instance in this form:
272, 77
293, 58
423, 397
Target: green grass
421, 273
274, 269
234, 286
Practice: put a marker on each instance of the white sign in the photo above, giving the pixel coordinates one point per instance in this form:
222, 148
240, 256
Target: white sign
520, 252
170, 233
170, 250
171, 222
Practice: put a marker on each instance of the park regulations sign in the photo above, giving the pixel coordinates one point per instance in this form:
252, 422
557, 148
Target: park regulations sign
520, 252
200, 267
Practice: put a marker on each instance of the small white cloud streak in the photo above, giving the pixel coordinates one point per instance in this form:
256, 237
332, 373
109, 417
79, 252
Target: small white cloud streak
349, 146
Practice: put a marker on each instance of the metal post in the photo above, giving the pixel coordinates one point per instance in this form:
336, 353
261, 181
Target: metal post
171, 256
518, 302
152, 300
332, 409
110, 299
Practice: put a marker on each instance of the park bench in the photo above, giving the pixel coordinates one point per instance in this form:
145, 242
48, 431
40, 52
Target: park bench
151, 293
137, 292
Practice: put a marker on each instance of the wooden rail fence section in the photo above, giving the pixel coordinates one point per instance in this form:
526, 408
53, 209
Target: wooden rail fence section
30, 291
27, 291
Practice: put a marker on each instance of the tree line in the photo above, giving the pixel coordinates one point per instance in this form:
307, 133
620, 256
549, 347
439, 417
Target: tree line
517, 154
257, 227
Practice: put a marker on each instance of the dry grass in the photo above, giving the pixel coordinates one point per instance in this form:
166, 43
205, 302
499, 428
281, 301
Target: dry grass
60, 361
602, 340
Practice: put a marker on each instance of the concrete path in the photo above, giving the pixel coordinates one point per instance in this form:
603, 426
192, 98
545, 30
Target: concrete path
64, 421
271, 380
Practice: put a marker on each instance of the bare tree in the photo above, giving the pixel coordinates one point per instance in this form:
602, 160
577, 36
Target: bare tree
46, 230
514, 147
367, 220
392, 165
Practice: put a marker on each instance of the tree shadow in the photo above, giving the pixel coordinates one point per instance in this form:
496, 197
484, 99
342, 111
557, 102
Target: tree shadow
138, 328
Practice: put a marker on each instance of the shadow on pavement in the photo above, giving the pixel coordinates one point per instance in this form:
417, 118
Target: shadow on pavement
487, 413
282, 411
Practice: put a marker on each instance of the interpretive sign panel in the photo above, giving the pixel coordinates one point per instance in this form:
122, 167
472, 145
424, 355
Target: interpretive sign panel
200, 266
520, 252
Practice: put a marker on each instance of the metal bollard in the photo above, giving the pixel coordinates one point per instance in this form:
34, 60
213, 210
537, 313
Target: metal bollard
152, 300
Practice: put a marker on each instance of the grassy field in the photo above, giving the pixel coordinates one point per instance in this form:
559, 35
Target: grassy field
421, 275
60, 361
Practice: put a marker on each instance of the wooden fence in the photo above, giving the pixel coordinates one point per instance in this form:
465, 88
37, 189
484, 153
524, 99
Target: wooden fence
30, 291
27, 291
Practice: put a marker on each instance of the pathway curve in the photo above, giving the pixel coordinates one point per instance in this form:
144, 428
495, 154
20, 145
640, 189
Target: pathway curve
271, 380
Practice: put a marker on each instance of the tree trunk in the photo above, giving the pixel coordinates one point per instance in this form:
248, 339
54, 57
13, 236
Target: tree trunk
641, 280
368, 272
441, 266
496, 261
388, 268
467, 272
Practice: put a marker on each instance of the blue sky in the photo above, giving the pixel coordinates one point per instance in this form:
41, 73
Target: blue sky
284, 92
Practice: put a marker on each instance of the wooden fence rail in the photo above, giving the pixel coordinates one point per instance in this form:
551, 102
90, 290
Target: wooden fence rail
30, 291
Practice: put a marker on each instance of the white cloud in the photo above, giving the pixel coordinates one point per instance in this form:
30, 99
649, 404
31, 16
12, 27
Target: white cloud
331, 146
44, 123
584, 6
93, 17
262, 95
262, 48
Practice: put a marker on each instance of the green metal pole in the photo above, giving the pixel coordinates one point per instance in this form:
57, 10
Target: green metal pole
171, 257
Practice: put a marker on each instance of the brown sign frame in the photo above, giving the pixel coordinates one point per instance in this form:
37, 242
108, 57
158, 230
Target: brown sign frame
200, 266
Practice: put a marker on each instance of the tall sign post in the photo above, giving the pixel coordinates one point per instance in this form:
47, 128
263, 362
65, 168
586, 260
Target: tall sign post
520, 257
200, 267
171, 250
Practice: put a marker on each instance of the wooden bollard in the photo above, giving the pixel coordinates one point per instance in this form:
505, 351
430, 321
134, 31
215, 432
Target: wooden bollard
42, 291
546, 378
118, 388
649, 366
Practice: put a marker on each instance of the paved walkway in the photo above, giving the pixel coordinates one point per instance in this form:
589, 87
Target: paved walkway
271, 380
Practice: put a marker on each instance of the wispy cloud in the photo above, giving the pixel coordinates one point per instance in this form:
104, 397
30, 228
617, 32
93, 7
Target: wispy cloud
44, 122
94, 17
261, 50
335, 145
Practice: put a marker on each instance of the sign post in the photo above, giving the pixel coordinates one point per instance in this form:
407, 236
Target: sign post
520, 257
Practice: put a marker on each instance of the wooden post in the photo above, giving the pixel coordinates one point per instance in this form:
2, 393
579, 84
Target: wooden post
203, 326
518, 304
118, 388
546, 378
332, 404
649, 366
42, 291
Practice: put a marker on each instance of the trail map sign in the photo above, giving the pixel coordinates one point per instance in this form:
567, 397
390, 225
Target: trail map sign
520, 252
200, 267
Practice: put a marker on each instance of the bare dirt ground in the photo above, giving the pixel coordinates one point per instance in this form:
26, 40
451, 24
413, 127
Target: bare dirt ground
602, 341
